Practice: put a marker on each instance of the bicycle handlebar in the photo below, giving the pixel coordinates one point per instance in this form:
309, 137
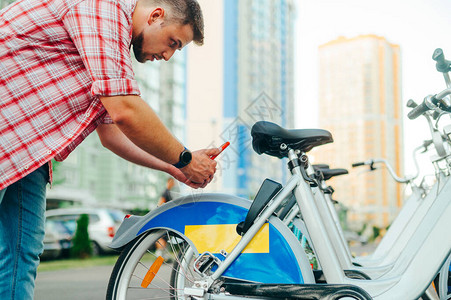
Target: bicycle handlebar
358, 164
436, 102
418, 111
373, 161
424, 147
431, 102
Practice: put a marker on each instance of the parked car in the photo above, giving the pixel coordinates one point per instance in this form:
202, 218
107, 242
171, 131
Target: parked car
103, 224
57, 240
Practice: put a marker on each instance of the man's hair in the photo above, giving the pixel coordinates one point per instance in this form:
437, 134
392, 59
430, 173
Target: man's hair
184, 12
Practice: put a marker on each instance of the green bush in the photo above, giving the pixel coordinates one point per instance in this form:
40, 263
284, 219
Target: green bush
139, 211
81, 247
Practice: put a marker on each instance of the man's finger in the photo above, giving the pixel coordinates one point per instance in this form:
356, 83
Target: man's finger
194, 185
212, 151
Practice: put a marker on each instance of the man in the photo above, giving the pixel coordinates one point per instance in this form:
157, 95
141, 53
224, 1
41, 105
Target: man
65, 70
166, 196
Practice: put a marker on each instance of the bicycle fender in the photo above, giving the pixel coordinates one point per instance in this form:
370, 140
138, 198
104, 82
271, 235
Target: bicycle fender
208, 223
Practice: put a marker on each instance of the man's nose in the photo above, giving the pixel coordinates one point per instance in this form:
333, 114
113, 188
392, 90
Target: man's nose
168, 54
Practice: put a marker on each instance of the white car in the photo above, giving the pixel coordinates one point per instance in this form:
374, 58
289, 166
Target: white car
103, 223
57, 240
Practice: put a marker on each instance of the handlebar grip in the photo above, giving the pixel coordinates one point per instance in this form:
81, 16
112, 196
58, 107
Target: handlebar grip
358, 164
418, 111
442, 64
411, 103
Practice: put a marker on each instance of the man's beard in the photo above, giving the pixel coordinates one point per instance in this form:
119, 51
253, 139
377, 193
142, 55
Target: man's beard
137, 43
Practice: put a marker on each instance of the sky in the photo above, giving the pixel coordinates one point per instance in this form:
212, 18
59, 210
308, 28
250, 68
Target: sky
417, 26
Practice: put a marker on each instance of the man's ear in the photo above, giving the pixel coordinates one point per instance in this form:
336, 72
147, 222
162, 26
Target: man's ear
157, 13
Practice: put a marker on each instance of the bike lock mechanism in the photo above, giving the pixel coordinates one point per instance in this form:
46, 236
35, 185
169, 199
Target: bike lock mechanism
205, 263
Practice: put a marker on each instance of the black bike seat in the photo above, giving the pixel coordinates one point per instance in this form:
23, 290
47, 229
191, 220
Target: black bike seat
329, 173
267, 138
320, 166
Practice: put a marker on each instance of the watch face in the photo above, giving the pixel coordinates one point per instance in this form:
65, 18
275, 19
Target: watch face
186, 157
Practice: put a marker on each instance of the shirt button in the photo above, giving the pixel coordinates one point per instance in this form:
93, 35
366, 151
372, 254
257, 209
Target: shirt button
49, 152
26, 167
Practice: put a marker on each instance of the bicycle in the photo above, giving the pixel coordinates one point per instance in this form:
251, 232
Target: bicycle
266, 261
323, 173
407, 222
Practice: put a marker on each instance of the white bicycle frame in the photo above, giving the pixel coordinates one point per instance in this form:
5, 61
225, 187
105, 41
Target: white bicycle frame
408, 278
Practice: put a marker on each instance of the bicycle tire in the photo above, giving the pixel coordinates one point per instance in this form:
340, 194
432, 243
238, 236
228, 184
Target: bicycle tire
133, 264
443, 280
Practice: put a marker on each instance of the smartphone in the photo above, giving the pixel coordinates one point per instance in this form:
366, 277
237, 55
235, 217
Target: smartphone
223, 147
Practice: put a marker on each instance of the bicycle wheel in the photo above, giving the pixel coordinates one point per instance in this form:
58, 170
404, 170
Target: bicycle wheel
443, 280
142, 273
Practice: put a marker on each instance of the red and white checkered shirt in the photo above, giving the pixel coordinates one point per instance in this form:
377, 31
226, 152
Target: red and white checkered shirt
56, 58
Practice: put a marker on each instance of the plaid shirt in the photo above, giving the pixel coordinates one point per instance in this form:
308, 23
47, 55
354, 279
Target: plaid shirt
56, 58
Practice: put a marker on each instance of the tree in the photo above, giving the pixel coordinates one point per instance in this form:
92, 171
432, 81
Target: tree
58, 176
81, 243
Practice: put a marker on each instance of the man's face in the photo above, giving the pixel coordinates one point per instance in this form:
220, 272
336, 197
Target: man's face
159, 41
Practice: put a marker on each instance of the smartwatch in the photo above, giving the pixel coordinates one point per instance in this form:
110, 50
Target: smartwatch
184, 159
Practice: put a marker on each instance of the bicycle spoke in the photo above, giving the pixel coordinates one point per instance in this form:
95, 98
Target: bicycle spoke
153, 298
158, 278
169, 291
143, 265
189, 279
177, 258
134, 275
188, 264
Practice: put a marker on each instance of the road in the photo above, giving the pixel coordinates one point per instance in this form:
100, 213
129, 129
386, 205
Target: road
73, 284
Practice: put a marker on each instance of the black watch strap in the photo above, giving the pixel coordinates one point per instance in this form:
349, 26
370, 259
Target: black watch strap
184, 159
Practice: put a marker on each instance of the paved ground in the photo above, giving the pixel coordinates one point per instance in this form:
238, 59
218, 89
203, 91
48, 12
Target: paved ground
75, 284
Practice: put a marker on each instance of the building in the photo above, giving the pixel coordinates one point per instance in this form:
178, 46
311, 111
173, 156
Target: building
4, 3
360, 104
244, 73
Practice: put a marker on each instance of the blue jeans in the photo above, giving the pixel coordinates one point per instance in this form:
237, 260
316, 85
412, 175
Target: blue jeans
22, 208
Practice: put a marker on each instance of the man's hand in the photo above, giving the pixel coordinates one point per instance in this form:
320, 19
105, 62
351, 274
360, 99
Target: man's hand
134, 117
202, 168
177, 174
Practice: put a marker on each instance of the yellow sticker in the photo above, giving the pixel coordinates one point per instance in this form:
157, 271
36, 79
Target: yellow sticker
214, 238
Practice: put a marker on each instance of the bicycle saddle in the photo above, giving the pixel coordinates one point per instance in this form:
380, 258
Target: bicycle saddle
329, 173
267, 138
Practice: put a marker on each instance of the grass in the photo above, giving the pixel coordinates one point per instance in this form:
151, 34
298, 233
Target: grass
62, 264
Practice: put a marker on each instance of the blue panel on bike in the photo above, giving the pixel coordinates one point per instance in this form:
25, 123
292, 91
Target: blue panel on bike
273, 267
